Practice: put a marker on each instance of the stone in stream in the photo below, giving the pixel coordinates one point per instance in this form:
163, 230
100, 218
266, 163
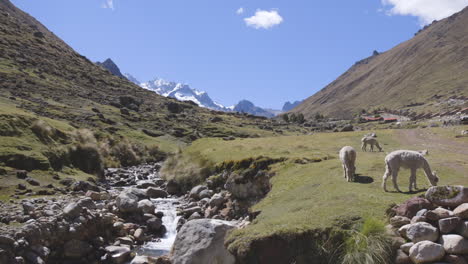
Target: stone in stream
154, 224
448, 196
152, 192
146, 206
172, 187
426, 252
118, 255
127, 202
202, 241
143, 184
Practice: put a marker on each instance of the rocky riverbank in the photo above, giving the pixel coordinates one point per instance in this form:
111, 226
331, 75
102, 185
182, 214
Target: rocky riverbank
433, 228
130, 217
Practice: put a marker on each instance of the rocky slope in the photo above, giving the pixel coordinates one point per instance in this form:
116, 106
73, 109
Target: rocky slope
420, 75
245, 106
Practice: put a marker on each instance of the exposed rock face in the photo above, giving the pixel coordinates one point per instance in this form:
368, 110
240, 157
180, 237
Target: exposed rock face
111, 66
426, 252
450, 196
202, 241
246, 186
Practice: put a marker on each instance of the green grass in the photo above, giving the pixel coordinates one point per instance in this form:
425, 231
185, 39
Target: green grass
311, 196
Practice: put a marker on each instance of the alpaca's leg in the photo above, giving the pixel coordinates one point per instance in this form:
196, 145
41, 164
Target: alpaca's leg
372, 147
412, 180
385, 177
363, 146
394, 180
344, 170
378, 146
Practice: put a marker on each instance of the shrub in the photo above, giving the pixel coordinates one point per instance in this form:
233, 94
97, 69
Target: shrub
125, 154
42, 130
368, 245
87, 158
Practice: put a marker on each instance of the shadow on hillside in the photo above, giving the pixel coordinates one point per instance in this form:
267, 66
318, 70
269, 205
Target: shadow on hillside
363, 179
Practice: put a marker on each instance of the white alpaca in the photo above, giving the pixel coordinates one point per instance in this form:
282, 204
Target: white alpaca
371, 141
348, 159
412, 160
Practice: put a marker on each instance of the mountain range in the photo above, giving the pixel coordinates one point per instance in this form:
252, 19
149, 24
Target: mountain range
425, 75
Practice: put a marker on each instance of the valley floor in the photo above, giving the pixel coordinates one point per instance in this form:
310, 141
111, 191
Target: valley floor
315, 195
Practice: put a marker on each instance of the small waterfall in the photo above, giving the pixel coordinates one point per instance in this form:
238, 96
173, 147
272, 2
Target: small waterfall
170, 219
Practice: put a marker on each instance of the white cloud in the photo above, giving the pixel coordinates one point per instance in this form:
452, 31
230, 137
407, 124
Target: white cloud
425, 10
264, 19
108, 4
240, 11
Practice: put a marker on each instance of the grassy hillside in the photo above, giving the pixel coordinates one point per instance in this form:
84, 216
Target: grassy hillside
419, 75
314, 196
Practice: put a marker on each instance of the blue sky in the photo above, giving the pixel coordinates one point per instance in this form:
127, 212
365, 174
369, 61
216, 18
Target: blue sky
287, 51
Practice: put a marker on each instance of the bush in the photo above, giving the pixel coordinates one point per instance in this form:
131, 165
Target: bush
369, 245
42, 130
87, 158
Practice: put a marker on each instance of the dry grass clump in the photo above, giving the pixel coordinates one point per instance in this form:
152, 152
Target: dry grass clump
187, 169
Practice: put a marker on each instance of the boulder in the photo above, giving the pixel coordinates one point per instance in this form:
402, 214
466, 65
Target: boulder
412, 206
248, 186
454, 259
95, 196
422, 231
146, 206
72, 210
426, 252
399, 221
216, 200
172, 187
118, 255
402, 258
462, 211
154, 224
142, 260
406, 247
447, 225
448, 196
76, 248
462, 229
202, 241
195, 192
205, 194
438, 213
402, 230
143, 184
418, 219
127, 202
153, 192
454, 244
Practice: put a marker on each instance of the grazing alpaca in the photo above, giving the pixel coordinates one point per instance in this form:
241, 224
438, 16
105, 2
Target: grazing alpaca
348, 159
371, 141
412, 160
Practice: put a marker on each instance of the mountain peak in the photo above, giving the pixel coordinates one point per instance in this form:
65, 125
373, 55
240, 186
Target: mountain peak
110, 65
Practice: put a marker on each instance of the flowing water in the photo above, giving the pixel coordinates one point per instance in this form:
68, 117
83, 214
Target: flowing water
163, 245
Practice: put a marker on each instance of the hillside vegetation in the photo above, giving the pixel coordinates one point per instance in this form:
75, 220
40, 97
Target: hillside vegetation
419, 76
310, 197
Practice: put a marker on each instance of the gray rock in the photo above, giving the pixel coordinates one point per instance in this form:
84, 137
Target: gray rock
422, 231
399, 221
76, 248
406, 247
402, 230
172, 187
448, 196
438, 213
152, 192
194, 216
127, 202
462, 229
195, 192
447, 225
426, 252
402, 258
205, 194
145, 184
418, 219
454, 259
142, 260
189, 211
454, 244
146, 206
72, 210
461, 211
154, 224
202, 241
118, 255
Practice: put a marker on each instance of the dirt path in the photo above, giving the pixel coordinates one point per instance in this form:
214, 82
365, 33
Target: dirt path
424, 139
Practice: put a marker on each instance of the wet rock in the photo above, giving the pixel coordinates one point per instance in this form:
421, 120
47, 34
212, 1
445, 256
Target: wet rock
454, 244
154, 224
146, 206
422, 231
142, 260
172, 187
154, 193
448, 196
118, 255
139, 234
426, 252
202, 241
76, 248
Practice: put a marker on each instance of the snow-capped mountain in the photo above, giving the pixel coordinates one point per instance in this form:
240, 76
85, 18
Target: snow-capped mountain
180, 91
184, 92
